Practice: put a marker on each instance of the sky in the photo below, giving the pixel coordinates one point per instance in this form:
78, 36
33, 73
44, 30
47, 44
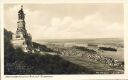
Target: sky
68, 21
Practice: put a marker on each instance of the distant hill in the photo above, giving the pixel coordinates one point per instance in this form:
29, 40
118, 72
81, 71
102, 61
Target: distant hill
107, 41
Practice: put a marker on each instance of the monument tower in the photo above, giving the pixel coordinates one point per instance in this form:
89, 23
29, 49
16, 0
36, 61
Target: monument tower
21, 38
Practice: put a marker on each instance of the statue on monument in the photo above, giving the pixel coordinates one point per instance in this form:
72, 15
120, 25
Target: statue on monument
21, 38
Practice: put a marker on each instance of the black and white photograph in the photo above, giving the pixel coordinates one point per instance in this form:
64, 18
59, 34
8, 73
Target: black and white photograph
58, 39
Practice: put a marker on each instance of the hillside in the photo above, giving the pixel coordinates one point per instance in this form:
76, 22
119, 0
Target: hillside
17, 62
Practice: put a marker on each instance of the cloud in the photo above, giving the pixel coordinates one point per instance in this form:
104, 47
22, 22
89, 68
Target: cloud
88, 27
50, 24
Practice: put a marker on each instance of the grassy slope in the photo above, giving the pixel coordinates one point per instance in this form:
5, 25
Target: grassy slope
18, 62
96, 66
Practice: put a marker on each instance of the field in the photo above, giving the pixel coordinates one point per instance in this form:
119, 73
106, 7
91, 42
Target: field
114, 42
100, 68
87, 53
